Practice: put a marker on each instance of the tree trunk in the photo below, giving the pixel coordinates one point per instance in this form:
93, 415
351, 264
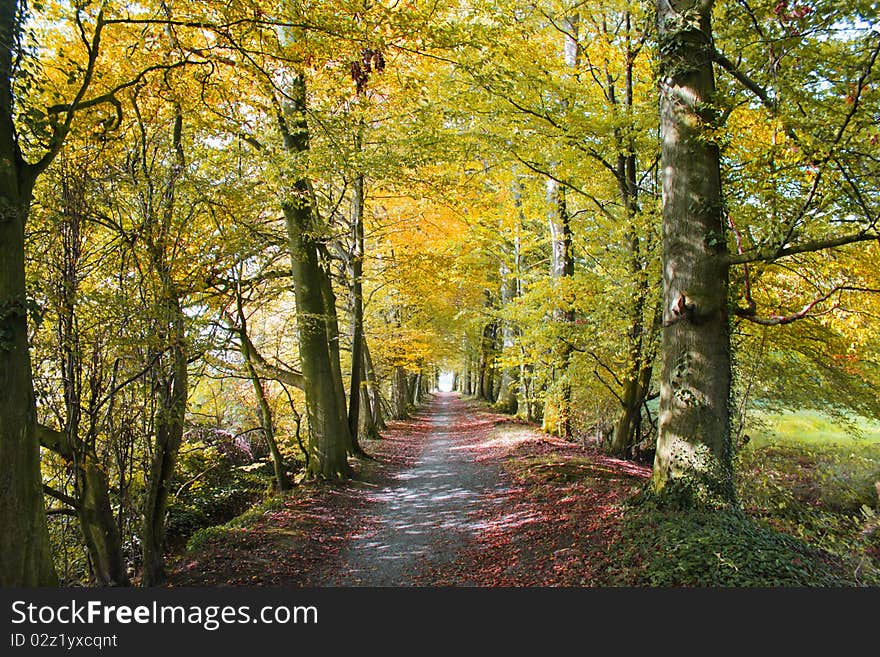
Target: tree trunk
99, 526
92, 487
562, 267
371, 389
264, 411
367, 428
170, 380
415, 388
637, 387
694, 431
562, 262
356, 271
399, 393
641, 341
92, 504
169, 424
25, 557
331, 328
265, 416
506, 399
525, 385
329, 438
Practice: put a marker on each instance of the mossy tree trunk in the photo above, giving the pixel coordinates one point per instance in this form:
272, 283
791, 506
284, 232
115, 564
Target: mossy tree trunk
25, 557
694, 433
399, 393
329, 437
92, 505
172, 386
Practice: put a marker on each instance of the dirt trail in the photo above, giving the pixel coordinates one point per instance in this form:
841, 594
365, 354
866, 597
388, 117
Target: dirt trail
428, 514
457, 495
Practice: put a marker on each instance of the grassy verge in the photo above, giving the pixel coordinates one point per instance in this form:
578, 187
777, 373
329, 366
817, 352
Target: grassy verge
808, 517
662, 546
811, 428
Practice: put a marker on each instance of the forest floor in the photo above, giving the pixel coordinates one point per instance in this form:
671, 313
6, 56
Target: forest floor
456, 496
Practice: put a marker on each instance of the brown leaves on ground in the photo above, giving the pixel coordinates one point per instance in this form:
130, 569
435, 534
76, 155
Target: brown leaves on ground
557, 518
294, 541
549, 525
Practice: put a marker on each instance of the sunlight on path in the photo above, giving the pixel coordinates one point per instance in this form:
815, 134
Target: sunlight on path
423, 520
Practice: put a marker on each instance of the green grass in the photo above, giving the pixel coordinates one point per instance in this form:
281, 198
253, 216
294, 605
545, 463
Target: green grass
207, 536
810, 428
812, 477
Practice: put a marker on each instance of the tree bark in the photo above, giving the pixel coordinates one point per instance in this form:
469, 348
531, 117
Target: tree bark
562, 267
399, 393
331, 328
25, 557
92, 506
329, 437
356, 271
562, 262
371, 395
694, 431
264, 411
506, 399
171, 379
641, 339
486, 371
169, 424
636, 389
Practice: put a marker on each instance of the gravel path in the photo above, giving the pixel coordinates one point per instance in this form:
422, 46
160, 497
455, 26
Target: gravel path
423, 520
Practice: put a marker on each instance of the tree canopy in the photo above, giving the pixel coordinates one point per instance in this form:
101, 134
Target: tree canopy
253, 231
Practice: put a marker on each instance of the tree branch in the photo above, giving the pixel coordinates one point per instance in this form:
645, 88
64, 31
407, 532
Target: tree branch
61, 497
750, 314
745, 80
771, 255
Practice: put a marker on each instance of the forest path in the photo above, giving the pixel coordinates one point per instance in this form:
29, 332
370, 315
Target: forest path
429, 512
458, 495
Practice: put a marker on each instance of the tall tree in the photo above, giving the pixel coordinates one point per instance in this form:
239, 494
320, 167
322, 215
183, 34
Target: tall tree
694, 423
24, 547
330, 437
561, 257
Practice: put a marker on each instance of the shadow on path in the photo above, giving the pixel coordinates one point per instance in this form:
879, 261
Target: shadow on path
423, 519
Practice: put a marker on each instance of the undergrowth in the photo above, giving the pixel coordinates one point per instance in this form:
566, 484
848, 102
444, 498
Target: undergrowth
805, 516
208, 536
665, 545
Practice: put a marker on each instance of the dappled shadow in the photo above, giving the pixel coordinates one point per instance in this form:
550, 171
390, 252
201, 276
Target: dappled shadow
429, 512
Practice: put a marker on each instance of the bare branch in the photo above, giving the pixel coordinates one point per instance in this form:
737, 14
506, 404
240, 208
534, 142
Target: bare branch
770, 255
61, 497
750, 314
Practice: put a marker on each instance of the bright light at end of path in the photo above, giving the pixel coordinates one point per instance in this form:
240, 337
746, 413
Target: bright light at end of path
446, 380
